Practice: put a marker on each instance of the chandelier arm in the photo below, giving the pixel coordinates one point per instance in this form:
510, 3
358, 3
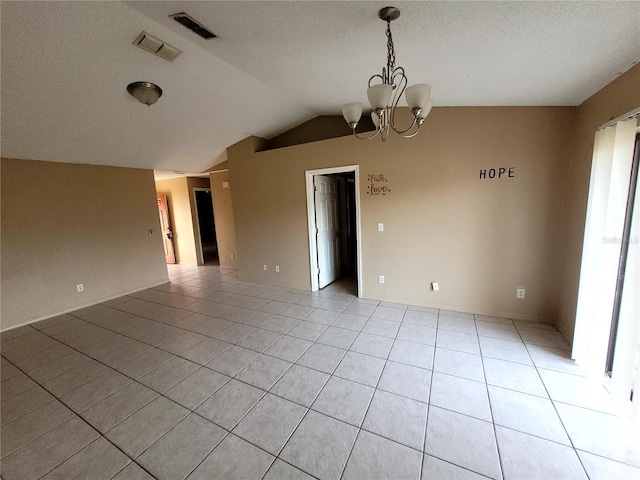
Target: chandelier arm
398, 87
402, 132
359, 137
385, 125
381, 77
410, 135
401, 87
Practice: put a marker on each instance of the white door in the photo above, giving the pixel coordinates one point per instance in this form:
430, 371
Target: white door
327, 223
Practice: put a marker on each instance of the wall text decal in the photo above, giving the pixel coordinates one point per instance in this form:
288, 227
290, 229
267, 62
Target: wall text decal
497, 172
376, 184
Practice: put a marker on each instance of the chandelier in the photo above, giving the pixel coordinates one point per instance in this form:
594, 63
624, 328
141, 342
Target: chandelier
385, 91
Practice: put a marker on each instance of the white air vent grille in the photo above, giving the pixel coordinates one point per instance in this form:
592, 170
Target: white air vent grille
156, 46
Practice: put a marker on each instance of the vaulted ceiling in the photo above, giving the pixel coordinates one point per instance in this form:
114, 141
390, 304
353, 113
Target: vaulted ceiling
66, 65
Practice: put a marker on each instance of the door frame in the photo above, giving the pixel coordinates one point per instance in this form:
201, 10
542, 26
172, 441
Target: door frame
198, 233
311, 219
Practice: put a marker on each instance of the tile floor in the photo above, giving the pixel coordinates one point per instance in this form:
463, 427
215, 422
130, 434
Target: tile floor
210, 377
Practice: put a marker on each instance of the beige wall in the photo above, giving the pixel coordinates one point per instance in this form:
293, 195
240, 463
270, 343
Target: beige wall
223, 216
478, 238
619, 97
65, 224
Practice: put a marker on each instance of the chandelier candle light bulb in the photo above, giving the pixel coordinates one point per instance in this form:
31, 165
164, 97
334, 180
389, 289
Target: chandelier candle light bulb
385, 96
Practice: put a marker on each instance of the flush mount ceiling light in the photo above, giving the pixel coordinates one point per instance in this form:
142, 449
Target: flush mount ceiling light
145, 92
385, 96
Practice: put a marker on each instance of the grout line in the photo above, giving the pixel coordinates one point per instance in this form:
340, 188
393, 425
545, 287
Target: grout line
426, 423
555, 409
360, 428
493, 424
143, 406
76, 414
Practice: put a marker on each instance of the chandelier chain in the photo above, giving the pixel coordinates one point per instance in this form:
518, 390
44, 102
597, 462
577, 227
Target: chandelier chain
391, 53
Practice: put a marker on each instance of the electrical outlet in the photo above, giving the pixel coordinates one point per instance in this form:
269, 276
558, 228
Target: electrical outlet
80, 287
435, 286
232, 256
150, 231
381, 279
264, 267
520, 291
277, 268
381, 227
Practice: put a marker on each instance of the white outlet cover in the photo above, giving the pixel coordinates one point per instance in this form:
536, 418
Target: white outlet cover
381, 279
264, 267
381, 227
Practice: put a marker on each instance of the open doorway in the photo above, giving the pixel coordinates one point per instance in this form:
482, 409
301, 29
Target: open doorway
333, 213
206, 227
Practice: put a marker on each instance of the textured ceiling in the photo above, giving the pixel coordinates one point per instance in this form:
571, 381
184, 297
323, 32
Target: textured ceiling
66, 65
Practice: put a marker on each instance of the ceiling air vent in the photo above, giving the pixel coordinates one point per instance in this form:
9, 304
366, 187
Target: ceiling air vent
156, 46
193, 25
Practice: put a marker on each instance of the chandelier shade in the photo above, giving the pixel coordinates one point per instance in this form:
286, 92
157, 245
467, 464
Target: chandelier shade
352, 112
418, 95
425, 110
385, 91
379, 95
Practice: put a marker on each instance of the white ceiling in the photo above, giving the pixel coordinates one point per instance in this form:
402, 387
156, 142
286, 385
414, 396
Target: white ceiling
66, 65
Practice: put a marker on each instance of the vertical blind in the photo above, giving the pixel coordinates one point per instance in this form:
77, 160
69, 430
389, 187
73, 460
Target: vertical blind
606, 208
